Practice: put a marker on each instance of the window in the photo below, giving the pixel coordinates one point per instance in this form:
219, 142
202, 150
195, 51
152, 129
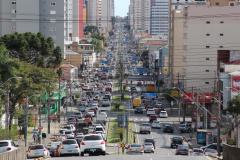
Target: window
13, 28
207, 70
184, 47
52, 28
216, 4
81, 47
207, 34
220, 46
184, 35
221, 34
231, 4
208, 22
52, 3
221, 22
206, 82
52, 12
14, 11
207, 46
207, 59
14, 2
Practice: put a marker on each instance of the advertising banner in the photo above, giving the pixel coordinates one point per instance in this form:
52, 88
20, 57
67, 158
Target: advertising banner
235, 83
198, 97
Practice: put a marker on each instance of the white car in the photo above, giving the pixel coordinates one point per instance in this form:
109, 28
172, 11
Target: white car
69, 134
156, 124
95, 106
150, 112
93, 144
163, 114
159, 104
148, 147
197, 152
69, 147
7, 145
99, 130
62, 132
35, 151
135, 148
91, 113
106, 102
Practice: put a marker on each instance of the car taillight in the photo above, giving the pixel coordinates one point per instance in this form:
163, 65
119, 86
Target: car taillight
9, 148
73, 134
217, 154
61, 147
178, 149
103, 142
76, 146
182, 142
141, 128
45, 149
187, 150
28, 151
172, 141
130, 149
204, 152
82, 143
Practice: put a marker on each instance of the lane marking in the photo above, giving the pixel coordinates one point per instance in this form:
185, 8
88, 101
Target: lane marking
208, 157
141, 119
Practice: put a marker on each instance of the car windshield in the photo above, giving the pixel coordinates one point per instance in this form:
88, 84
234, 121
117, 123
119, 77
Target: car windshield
135, 145
92, 138
78, 113
211, 150
153, 116
198, 150
68, 132
149, 140
36, 147
156, 122
54, 145
182, 147
145, 124
3, 144
69, 142
99, 129
182, 125
148, 144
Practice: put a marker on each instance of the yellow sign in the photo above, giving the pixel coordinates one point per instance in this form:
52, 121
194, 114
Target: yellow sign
165, 70
122, 145
175, 93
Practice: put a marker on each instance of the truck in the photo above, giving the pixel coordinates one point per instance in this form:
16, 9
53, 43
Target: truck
136, 103
101, 118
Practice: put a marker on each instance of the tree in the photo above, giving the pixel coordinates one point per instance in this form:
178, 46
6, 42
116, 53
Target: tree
33, 48
97, 44
113, 19
91, 29
111, 33
145, 58
167, 95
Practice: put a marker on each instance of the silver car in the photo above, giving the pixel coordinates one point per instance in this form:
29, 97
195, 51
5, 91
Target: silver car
69, 134
135, 148
69, 147
37, 151
148, 147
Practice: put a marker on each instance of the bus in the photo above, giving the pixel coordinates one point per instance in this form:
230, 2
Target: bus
150, 88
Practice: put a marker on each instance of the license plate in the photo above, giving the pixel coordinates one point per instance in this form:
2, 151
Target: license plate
69, 150
92, 150
36, 153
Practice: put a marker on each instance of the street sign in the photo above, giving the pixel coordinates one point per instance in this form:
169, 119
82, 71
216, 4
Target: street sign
104, 70
193, 124
105, 62
35, 130
126, 145
122, 145
140, 70
40, 127
118, 145
150, 94
19, 137
145, 70
224, 140
209, 133
19, 141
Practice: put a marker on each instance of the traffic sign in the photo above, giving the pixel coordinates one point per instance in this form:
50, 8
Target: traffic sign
40, 127
193, 124
118, 145
126, 145
35, 130
19, 137
122, 145
224, 140
209, 133
150, 94
19, 141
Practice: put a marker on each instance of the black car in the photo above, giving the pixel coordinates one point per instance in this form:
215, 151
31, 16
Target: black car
150, 140
176, 141
182, 150
138, 110
168, 128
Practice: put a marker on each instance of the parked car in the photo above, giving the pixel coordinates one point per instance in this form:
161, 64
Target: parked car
197, 152
69, 147
93, 144
176, 141
35, 151
7, 145
156, 124
148, 147
135, 148
150, 140
182, 150
168, 128
163, 114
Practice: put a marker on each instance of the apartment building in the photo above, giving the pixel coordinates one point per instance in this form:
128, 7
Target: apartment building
141, 14
197, 37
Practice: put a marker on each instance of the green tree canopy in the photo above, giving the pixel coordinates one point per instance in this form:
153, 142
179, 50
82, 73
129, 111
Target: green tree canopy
145, 58
97, 44
33, 48
91, 29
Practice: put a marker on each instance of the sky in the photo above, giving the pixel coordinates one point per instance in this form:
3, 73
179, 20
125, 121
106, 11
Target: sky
121, 7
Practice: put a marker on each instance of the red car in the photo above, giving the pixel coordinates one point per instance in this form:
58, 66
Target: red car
93, 109
139, 83
152, 118
110, 77
160, 109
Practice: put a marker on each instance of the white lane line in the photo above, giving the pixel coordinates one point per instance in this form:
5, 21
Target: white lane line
208, 157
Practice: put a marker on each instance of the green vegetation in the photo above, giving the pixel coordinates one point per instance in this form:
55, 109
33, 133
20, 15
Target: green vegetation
91, 29
115, 134
167, 95
117, 98
115, 106
145, 58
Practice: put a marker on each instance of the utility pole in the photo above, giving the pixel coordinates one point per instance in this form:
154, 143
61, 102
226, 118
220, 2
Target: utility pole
7, 114
218, 126
184, 108
26, 123
178, 99
40, 120
49, 120
59, 99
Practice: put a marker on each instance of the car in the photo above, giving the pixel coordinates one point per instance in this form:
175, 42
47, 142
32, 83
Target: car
54, 148
79, 115
156, 124
82, 108
135, 148
91, 112
125, 75
62, 131
182, 150
69, 134
212, 146
148, 147
106, 102
184, 128
150, 140
211, 152
145, 127
99, 130
138, 110
139, 83
69, 127
93, 144
69, 147
163, 114
159, 104
176, 141
35, 151
152, 118
150, 112
197, 152
168, 128
7, 145
160, 109
93, 109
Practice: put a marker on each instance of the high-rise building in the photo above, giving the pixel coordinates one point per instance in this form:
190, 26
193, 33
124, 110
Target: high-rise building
159, 17
141, 14
59, 19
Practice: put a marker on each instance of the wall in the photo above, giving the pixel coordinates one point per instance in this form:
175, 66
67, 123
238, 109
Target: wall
81, 19
231, 153
19, 154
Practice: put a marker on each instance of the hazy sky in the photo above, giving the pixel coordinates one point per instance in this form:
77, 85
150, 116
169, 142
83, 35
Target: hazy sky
121, 7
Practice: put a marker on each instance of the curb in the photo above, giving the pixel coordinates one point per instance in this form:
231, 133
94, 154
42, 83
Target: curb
213, 156
40, 158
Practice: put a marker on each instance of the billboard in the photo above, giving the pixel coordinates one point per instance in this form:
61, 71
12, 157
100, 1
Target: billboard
235, 83
122, 120
151, 95
199, 97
